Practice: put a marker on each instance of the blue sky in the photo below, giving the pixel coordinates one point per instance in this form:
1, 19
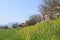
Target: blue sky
17, 10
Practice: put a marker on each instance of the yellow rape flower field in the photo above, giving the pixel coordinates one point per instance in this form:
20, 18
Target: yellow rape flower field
49, 30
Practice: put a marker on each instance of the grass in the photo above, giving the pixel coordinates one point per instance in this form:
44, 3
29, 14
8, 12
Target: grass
49, 30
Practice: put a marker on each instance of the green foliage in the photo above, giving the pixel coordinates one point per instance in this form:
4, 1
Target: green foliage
49, 30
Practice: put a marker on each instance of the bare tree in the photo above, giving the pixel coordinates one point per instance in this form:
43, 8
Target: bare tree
16, 25
50, 8
34, 19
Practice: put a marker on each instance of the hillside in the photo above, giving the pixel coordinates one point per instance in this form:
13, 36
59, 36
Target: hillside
49, 30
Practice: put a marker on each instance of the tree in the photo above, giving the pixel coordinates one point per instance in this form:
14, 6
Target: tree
15, 25
34, 19
30, 22
5, 27
50, 8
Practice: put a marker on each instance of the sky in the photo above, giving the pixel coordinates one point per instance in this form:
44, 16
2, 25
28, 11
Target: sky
17, 10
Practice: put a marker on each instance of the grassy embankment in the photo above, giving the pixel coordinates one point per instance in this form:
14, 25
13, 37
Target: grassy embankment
49, 30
